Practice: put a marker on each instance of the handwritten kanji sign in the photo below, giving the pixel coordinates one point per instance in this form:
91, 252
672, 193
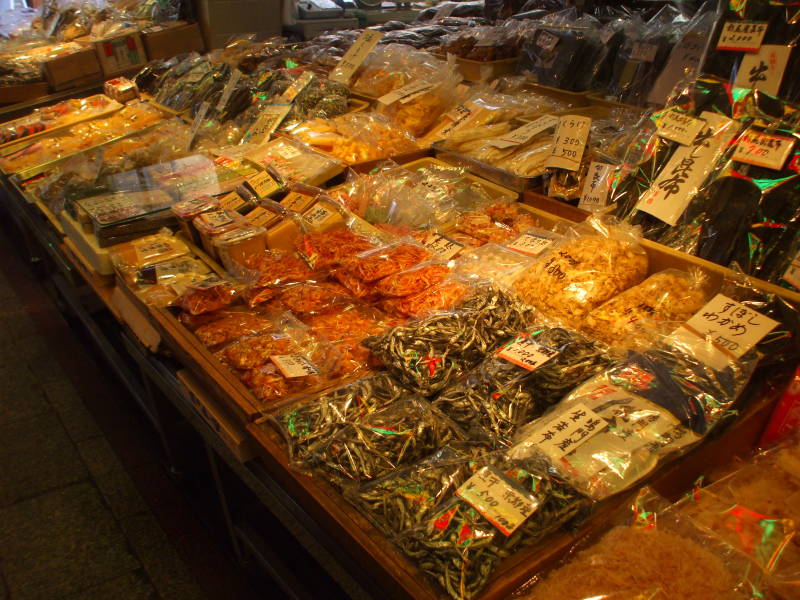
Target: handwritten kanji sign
501, 504
568, 431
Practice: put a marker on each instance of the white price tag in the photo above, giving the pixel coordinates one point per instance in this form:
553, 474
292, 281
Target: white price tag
356, 55
568, 431
526, 353
547, 41
216, 218
318, 214
530, 243
742, 36
263, 184
730, 325
569, 142
294, 365
763, 150
523, 134
406, 93
236, 74
198, 121
792, 274
287, 152
679, 180
763, 70
297, 86
267, 122
442, 246
595, 186
502, 505
679, 127
644, 52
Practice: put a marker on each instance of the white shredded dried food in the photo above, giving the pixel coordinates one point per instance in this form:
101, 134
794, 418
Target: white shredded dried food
581, 274
658, 304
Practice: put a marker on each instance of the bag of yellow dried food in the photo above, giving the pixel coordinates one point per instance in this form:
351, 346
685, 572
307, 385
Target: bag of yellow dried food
656, 306
598, 261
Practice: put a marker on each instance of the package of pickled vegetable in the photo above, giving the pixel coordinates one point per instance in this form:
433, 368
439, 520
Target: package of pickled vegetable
426, 355
519, 381
207, 295
600, 260
400, 434
504, 505
655, 307
312, 421
615, 428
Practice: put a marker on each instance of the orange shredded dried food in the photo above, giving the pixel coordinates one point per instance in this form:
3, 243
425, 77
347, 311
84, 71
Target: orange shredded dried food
253, 352
386, 261
231, 327
323, 250
412, 281
311, 297
440, 297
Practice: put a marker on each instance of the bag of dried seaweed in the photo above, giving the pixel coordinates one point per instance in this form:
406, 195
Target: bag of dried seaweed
313, 420
426, 355
652, 308
400, 434
519, 381
598, 261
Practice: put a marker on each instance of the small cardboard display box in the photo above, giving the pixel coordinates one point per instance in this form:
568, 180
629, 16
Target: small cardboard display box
168, 40
73, 70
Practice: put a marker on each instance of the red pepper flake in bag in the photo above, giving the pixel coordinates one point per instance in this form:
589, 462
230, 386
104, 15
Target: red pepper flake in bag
412, 281
324, 250
386, 261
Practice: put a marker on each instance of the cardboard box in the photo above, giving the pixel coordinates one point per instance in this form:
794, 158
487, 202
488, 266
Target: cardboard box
11, 94
73, 70
165, 41
119, 54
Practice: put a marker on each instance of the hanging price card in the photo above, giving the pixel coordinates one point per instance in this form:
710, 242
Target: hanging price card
406, 93
530, 243
595, 186
263, 184
763, 70
742, 36
502, 505
679, 127
294, 365
521, 135
268, 121
569, 142
236, 74
526, 353
568, 431
763, 150
356, 55
297, 86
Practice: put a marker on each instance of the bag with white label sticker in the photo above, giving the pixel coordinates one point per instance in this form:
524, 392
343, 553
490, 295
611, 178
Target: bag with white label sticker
519, 381
505, 504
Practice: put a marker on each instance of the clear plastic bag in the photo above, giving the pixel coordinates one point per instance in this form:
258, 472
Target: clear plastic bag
493, 263
443, 296
131, 257
601, 260
230, 325
308, 298
207, 295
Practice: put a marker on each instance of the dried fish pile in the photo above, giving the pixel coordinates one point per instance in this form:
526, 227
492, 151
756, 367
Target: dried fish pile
499, 396
427, 355
311, 423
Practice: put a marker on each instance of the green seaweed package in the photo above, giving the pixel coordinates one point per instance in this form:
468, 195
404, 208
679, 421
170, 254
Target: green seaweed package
519, 381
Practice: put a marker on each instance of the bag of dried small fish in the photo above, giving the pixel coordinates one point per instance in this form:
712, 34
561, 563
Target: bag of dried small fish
313, 421
598, 262
427, 354
519, 381
400, 434
656, 306
462, 542
615, 428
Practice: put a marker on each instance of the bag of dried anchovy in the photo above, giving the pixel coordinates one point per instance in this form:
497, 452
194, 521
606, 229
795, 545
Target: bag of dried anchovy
397, 435
519, 381
313, 421
428, 354
504, 505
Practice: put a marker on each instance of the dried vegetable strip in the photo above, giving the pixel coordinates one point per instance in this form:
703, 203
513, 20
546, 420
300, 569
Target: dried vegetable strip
430, 353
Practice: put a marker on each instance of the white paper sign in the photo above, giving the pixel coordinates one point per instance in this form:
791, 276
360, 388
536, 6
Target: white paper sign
569, 142
198, 121
263, 184
792, 274
644, 52
406, 93
521, 135
568, 431
763, 70
526, 353
297, 86
731, 325
356, 55
595, 187
318, 214
294, 365
442, 246
531, 244
267, 122
763, 150
229, 87
503, 506
679, 180
679, 127
742, 36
